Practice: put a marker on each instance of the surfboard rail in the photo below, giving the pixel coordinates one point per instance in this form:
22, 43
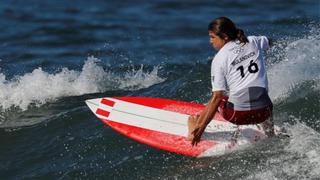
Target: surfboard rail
162, 123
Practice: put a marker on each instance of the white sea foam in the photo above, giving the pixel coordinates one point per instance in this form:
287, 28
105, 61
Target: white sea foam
300, 61
40, 87
300, 159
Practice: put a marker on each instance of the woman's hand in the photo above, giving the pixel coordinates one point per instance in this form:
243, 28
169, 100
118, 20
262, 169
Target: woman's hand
197, 133
197, 124
192, 124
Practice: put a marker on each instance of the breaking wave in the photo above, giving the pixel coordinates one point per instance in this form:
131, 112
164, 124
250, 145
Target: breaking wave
40, 87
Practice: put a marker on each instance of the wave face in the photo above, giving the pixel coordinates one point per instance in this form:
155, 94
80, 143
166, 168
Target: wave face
56, 54
299, 63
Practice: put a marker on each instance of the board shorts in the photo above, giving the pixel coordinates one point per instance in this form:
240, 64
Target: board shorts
255, 116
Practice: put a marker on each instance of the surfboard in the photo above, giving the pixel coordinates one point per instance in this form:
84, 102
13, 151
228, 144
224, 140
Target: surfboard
162, 123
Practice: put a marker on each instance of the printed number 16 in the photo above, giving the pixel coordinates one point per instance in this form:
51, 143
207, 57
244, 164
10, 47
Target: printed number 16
253, 68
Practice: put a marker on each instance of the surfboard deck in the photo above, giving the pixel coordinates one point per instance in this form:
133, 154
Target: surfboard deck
162, 123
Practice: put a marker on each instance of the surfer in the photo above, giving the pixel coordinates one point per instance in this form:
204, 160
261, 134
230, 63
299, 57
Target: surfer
239, 69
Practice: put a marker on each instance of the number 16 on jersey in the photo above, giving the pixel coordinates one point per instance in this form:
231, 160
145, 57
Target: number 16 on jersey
252, 68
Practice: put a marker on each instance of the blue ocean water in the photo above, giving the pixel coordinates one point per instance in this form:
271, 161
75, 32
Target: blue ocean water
55, 54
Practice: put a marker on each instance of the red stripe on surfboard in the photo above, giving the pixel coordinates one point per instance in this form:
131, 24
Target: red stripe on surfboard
107, 102
160, 140
169, 105
103, 112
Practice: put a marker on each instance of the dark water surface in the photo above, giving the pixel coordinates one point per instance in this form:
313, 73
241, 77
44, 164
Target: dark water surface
56, 54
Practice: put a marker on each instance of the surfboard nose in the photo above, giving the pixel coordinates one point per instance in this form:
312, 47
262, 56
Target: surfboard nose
93, 104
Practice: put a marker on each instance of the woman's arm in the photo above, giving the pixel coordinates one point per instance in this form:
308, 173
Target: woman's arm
206, 116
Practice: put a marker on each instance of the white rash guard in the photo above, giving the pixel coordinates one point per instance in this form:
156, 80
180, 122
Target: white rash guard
240, 68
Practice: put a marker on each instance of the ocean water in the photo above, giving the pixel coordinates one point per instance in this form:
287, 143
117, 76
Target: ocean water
56, 54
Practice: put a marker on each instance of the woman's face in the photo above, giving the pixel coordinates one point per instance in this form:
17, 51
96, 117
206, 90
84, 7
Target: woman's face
216, 41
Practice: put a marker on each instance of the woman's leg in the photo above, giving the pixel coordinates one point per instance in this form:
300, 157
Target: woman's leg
268, 125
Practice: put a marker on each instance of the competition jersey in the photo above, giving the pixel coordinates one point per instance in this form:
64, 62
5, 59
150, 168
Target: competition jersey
240, 69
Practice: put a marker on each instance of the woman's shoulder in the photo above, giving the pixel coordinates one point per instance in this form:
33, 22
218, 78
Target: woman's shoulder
261, 41
257, 38
220, 56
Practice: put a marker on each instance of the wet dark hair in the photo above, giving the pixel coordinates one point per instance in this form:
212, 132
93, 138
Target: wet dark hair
224, 27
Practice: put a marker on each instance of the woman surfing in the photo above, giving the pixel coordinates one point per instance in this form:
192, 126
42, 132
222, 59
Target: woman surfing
239, 69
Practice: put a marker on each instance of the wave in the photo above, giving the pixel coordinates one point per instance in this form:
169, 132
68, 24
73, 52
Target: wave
300, 159
295, 62
39, 87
